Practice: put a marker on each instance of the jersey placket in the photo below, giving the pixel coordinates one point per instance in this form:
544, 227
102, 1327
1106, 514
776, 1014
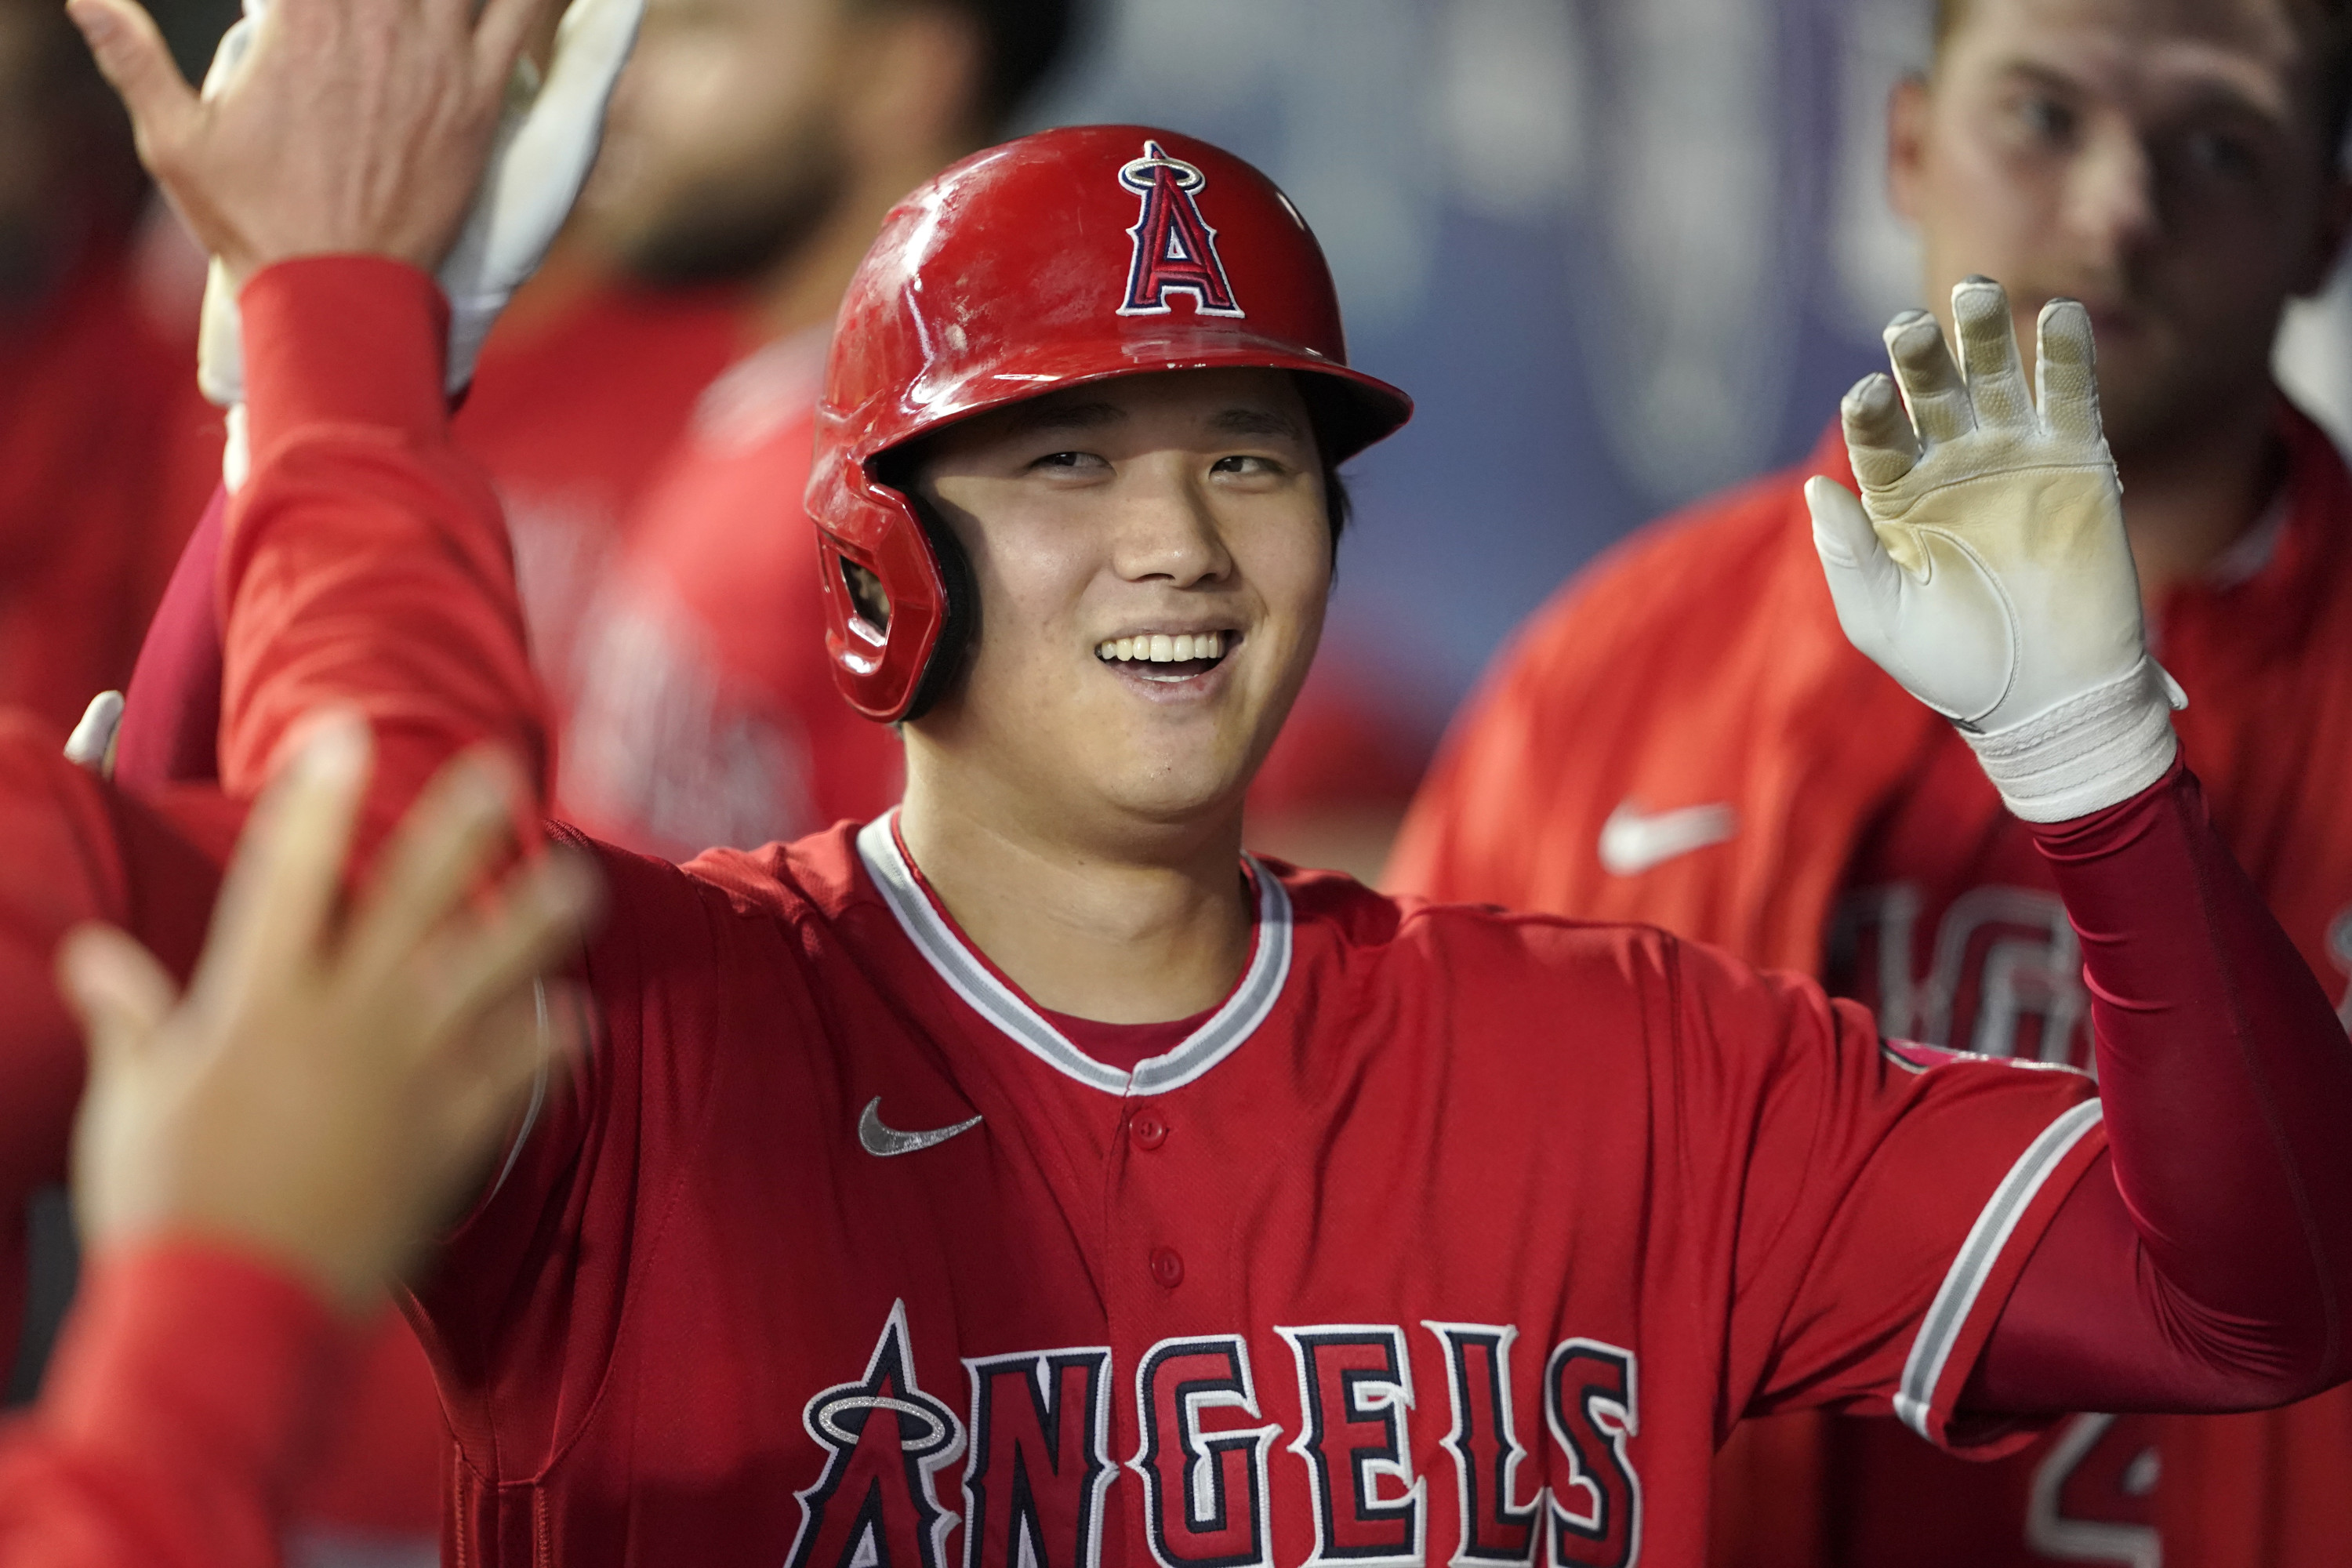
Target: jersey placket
1188, 1406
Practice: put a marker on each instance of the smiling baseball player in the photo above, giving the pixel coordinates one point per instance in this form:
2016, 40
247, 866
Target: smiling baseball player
1030, 1177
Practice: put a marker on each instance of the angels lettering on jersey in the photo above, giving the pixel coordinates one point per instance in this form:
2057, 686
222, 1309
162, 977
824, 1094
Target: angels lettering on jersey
1036, 1442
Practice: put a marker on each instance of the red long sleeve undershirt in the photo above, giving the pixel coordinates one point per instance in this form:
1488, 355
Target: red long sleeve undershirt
366, 564
2204, 1265
183, 1394
2199, 1265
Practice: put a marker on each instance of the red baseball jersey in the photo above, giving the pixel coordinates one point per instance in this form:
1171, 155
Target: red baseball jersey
1452, 1234
583, 390
1763, 786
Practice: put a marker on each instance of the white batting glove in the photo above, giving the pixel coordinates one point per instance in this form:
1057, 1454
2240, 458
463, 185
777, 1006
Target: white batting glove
1985, 567
546, 143
91, 744
220, 354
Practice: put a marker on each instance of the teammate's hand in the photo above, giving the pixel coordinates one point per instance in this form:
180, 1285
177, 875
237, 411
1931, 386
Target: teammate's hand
331, 1081
1986, 566
546, 141
340, 127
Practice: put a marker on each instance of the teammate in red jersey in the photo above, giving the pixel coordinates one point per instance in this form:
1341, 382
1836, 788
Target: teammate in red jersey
758, 141
1032, 1126
1762, 786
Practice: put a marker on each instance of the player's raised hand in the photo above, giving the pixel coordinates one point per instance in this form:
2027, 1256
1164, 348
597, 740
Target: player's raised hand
549, 130
331, 1081
1985, 566
344, 127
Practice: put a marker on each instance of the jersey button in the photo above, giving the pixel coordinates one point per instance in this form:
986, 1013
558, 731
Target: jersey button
1148, 1127
1167, 1267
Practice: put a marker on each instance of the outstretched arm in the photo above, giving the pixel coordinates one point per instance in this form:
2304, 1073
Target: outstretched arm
343, 589
334, 139
2205, 1265
366, 562
2206, 1262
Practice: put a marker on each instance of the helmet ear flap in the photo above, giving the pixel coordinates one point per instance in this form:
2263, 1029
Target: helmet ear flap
886, 596
958, 630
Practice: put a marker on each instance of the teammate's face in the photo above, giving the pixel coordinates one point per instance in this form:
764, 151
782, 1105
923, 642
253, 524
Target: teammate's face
720, 151
2159, 160
1108, 527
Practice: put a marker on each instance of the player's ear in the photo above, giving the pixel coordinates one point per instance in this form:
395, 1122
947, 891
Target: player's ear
1908, 107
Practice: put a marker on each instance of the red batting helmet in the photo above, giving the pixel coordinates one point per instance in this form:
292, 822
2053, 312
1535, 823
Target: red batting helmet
1065, 257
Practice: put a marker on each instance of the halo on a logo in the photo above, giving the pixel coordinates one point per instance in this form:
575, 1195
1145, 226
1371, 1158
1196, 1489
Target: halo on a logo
1136, 175
932, 1432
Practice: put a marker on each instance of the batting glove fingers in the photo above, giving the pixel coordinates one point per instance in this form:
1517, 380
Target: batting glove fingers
1985, 566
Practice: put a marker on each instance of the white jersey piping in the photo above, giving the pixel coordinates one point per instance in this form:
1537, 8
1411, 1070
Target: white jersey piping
1939, 1331
1011, 1012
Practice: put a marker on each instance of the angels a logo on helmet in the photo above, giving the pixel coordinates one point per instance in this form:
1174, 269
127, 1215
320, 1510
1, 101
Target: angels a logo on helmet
1175, 249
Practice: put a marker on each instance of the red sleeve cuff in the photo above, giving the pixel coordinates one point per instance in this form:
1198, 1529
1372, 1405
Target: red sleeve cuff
342, 340
195, 1355
1968, 1307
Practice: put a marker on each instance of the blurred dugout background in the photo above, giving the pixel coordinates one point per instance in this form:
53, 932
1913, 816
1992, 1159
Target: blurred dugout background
1622, 252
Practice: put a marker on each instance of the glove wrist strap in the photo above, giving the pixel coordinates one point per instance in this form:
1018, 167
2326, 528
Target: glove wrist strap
2088, 753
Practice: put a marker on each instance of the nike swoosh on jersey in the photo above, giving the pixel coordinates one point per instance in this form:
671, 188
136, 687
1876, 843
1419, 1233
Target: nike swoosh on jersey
884, 1141
1633, 841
